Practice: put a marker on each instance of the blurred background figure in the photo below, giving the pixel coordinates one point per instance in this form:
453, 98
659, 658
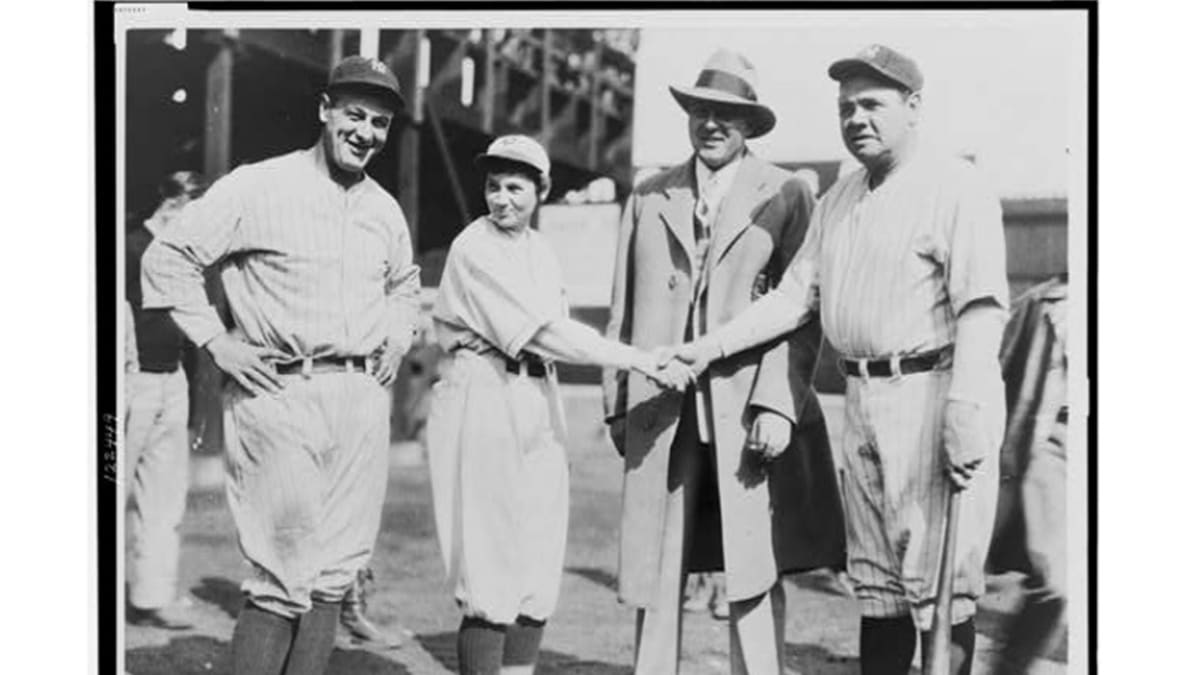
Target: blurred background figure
156, 436
705, 592
1031, 517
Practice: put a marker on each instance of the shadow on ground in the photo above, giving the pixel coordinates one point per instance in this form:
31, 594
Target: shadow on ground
820, 581
443, 648
816, 659
596, 575
200, 655
220, 592
994, 625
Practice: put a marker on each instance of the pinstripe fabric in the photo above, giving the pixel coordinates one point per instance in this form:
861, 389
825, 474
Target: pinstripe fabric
895, 265
308, 267
311, 269
894, 494
307, 472
890, 269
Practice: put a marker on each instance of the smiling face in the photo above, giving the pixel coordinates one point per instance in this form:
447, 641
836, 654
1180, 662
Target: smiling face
512, 197
356, 127
878, 120
718, 134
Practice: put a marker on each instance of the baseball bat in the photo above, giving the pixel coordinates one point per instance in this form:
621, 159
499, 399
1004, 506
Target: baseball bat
937, 662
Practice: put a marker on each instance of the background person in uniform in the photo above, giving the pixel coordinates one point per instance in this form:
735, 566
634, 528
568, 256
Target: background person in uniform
905, 261
316, 264
736, 474
1031, 518
496, 430
156, 436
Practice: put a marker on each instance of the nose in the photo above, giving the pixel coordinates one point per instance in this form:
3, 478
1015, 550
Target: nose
857, 118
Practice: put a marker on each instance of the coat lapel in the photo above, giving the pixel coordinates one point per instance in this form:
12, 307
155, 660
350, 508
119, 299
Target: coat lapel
737, 210
677, 212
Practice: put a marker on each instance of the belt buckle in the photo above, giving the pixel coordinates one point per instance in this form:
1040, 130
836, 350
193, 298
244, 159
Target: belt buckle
864, 370
894, 366
349, 364
306, 367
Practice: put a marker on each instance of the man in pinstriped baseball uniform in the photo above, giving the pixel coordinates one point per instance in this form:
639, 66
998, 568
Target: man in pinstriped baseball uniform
316, 261
905, 260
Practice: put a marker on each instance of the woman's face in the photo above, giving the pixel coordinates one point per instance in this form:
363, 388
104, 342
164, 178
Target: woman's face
511, 198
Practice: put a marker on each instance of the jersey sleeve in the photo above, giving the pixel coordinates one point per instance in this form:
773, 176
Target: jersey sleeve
173, 266
975, 248
490, 295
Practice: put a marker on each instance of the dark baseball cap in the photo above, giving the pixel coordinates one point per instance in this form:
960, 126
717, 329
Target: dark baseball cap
880, 61
360, 71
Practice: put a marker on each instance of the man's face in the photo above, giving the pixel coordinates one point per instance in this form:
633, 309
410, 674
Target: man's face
356, 127
877, 120
718, 134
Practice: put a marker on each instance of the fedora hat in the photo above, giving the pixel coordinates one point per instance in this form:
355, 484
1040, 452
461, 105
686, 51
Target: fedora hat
728, 79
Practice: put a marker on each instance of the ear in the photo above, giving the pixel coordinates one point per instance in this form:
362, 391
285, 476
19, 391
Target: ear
914, 102
323, 108
544, 192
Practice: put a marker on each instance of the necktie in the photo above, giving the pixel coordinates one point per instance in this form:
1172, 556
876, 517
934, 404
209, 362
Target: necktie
705, 213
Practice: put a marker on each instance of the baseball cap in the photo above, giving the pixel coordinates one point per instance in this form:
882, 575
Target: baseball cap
519, 149
883, 61
360, 71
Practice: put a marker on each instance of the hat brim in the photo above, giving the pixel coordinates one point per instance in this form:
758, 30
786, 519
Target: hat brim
844, 69
761, 119
486, 162
398, 104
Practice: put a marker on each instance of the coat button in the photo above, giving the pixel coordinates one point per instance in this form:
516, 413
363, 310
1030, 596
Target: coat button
672, 282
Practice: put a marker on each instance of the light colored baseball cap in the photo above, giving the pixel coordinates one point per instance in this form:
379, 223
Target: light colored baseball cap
519, 149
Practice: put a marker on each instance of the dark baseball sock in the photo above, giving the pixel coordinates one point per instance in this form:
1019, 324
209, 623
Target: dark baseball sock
261, 641
480, 646
962, 646
315, 632
522, 641
886, 646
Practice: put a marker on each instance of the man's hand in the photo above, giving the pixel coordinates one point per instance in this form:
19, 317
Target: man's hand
616, 432
770, 434
385, 361
669, 374
964, 441
249, 366
697, 355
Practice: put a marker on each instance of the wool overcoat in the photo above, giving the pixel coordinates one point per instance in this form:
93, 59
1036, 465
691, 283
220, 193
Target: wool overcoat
769, 518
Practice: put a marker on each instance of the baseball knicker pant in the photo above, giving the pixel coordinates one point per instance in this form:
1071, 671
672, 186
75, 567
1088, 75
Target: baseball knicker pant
306, 478
894, 492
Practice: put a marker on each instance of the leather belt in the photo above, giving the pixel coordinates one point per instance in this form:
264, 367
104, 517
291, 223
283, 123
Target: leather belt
532, 365
896, 365
324, 364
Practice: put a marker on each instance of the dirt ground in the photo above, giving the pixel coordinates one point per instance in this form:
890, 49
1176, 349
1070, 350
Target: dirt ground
591, 634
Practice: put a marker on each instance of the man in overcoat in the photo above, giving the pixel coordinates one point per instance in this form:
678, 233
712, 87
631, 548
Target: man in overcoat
735, 474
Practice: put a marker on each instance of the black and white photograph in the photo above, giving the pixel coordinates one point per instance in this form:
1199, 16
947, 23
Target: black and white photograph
598, 342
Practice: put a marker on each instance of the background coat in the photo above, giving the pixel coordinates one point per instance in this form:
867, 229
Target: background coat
773, 518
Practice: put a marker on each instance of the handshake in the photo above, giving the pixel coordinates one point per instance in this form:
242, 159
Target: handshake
678, 366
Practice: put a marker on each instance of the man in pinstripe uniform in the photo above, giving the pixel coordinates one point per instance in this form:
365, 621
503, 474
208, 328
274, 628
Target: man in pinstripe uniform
905, 262
316, 262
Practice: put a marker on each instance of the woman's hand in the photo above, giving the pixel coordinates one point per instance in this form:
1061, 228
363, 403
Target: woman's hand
670, 375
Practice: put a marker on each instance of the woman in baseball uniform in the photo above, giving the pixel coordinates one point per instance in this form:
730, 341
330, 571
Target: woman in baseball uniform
496, 430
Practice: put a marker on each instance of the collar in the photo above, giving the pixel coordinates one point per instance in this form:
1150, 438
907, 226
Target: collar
715, 184
317, 155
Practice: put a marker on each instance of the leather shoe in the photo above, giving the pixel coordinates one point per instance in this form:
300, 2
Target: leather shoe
354, 619
153, 618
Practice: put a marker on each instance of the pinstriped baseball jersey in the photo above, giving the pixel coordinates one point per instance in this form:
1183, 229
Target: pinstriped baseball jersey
893, 266
309, 267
